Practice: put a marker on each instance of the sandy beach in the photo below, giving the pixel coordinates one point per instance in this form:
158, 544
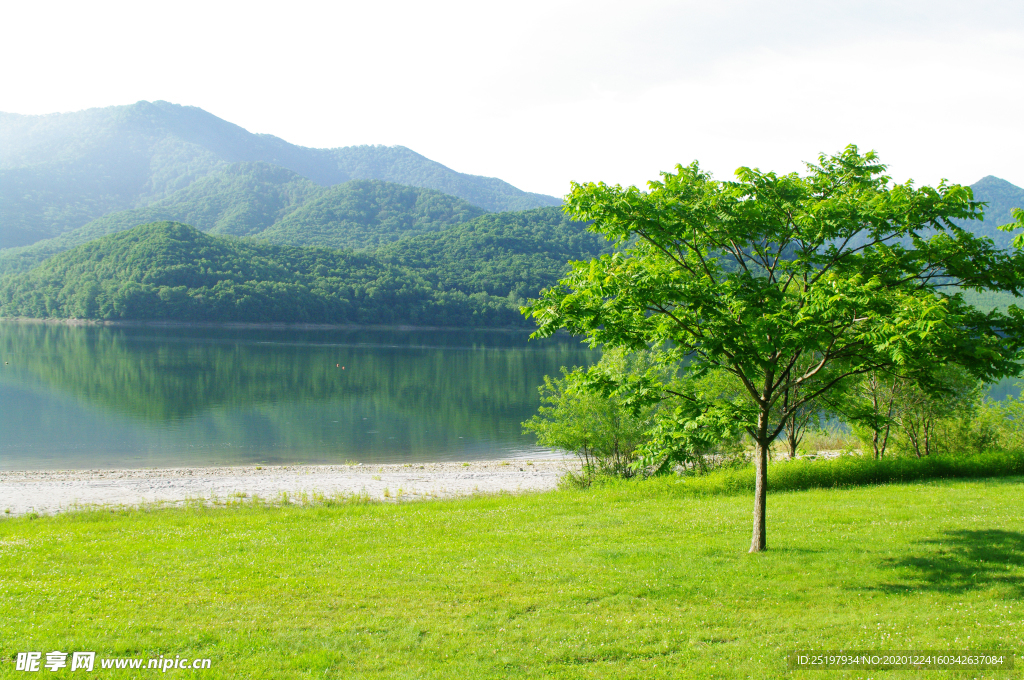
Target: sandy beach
53, 491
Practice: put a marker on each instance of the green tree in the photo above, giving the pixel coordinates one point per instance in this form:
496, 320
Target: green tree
838, 268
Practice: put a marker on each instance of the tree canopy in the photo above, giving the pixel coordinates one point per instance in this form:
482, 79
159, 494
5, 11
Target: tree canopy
791, 283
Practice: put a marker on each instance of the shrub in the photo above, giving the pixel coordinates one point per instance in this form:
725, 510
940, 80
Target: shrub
602, 431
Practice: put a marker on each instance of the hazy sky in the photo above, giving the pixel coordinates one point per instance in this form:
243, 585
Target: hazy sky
541, 93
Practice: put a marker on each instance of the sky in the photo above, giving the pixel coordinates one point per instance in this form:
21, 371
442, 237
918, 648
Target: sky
544, 93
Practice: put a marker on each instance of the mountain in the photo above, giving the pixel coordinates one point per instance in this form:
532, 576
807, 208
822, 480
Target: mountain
273, 204
1001, 197
470, 275
241, 199
60, 171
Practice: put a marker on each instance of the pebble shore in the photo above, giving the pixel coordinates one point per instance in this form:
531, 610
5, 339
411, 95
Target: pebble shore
54, 491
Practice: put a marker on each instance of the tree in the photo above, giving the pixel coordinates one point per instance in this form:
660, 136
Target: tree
838, 270
895, 409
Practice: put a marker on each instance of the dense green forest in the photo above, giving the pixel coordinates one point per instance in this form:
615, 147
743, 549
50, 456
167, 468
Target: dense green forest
60, 171
270, 203
472, 275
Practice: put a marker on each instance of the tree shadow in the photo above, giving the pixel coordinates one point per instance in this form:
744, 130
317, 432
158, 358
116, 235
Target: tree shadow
961, 561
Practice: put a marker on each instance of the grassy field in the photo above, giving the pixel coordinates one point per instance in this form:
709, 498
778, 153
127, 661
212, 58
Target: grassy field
630, 580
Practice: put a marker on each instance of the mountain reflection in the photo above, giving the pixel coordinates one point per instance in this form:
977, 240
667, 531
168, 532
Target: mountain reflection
372, 394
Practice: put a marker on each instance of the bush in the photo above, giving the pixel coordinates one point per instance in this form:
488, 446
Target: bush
618, 424
602, 431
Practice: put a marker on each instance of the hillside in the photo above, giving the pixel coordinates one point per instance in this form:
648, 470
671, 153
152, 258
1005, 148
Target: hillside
504, 254
364, 214
473, 275
276, 205
60, 171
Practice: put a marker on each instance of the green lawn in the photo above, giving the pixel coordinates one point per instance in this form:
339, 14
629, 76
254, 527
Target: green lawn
633, 580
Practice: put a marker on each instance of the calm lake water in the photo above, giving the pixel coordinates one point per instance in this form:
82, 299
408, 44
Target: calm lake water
103, 397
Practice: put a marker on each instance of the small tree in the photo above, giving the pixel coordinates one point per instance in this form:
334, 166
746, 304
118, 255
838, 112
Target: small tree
873, 405
837, 270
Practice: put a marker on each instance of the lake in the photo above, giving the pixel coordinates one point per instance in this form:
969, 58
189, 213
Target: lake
74, 397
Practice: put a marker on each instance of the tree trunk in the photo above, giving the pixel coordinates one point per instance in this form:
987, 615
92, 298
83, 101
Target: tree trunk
928, 437
874, 404
791, 439
758, 541
885, 442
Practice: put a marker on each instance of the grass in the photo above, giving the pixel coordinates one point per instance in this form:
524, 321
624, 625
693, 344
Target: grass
802, 474
629, 580
828, 439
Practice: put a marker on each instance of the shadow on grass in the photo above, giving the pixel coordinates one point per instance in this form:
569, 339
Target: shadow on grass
962, 561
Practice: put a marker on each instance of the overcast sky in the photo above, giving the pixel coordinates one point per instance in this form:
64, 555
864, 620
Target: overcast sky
541, 93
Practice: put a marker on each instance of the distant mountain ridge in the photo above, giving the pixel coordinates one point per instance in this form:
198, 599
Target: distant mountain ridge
60, 171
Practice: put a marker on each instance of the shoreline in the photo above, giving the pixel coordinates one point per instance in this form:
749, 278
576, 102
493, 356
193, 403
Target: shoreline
246, 325
50, 492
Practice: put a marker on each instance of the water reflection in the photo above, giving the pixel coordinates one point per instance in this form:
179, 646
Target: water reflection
76, 397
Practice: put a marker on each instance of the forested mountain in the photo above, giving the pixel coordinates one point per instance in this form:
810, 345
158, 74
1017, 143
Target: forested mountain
1001, 197
60, 171
471, 275
276, 205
